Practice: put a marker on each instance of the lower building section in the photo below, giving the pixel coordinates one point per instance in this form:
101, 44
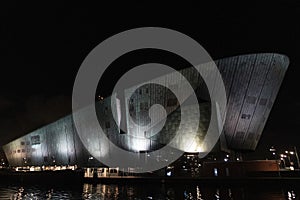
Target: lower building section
241, 169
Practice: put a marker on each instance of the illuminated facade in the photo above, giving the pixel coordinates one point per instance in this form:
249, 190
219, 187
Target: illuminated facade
251, 83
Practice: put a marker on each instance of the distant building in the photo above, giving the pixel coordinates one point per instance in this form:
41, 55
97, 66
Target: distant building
251, 83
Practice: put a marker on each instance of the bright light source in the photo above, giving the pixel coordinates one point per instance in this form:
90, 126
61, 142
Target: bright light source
169, 173
225, 159
291, 152
286, 152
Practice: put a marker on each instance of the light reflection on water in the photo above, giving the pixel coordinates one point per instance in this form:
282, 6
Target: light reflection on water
147, 191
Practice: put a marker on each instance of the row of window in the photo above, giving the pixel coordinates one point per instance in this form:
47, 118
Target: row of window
145, 105
20, 151
34, 140
23, 143
252, 100
146, 91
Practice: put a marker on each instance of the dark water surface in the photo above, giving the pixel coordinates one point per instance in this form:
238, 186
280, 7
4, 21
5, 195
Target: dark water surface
149, 191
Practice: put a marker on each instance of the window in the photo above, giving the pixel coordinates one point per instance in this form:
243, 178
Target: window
144, 106
19, 151
23, 150
263, 101
131, 107
246, 116
35, 140
251, 99
172, 102
240, 134
22, 143
106, 110
27, 143
107, 125
113, 171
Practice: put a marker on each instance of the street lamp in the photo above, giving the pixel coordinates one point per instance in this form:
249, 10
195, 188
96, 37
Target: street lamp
273, 151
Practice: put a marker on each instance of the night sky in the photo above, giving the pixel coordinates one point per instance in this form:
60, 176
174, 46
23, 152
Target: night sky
43, 45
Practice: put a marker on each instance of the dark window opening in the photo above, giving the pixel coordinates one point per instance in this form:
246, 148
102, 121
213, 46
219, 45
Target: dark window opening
113, 171
263, 101
131, 107
35, 140
107, 124
144, 106
251, 136
240, 135
251, 99
172, 102
246, 116
22, 143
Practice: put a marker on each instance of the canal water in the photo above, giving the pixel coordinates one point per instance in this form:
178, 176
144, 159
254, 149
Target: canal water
149, 191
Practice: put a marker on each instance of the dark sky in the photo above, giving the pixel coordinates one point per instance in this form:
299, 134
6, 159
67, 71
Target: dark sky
43, 45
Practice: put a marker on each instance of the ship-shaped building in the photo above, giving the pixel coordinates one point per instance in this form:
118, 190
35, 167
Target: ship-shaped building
251, 84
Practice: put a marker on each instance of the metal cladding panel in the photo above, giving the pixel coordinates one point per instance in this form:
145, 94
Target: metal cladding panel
279, 67
252, 104
236, 96
54, 144
256, 82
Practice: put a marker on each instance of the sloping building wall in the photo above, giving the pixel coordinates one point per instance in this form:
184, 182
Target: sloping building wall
251, 83
54, 144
